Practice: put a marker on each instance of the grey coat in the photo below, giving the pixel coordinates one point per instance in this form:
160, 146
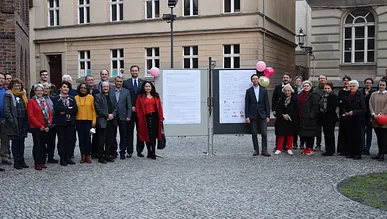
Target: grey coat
309, 126
124, 103
11, 119
102, 109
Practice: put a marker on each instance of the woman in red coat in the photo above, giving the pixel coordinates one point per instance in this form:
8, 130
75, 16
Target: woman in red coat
40, 119
150, 117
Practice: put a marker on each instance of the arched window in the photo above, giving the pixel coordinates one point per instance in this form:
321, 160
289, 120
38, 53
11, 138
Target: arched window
359, 37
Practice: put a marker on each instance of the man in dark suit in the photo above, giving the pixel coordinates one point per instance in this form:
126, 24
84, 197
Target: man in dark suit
134, 85
106, 108
257, 113
124, 104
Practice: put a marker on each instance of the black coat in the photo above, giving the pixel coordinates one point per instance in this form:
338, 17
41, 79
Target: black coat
358, 106
277, 94
287, 127
102, 109
367, 102
330, 116
61, 110
309, 126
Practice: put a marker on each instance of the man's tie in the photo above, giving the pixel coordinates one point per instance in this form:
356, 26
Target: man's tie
135, 86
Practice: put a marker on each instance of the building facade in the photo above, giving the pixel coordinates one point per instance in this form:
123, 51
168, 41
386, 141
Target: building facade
349, 37
14, 39
80, 37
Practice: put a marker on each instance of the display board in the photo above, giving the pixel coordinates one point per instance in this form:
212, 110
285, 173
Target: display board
230, 87
184, 98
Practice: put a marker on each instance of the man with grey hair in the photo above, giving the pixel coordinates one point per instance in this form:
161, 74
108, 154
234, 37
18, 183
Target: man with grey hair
124, 105
106, 108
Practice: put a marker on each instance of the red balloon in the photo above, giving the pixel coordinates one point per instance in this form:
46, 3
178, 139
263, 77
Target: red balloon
269, 72
382, 119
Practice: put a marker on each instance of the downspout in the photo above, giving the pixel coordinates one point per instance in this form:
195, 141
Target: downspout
264, 30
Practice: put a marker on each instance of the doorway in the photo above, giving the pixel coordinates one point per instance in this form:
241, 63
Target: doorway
55, 62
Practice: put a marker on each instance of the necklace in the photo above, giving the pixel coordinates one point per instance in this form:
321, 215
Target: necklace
80, 100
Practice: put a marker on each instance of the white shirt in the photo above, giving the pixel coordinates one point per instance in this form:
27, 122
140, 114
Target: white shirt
256, 91
385, 91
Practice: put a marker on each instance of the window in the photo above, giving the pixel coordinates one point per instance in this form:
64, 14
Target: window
359, 37
152, 59
118, 66
231, 6
53, 13
152, 8
231, 56
190, 57
116, 10
83, 11
190, 7
84, 66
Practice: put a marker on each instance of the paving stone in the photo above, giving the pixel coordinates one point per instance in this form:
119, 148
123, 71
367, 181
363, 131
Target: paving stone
186, 183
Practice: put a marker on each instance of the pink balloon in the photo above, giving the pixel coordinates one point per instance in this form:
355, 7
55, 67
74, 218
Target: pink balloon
269, 72
260, 66
154, 71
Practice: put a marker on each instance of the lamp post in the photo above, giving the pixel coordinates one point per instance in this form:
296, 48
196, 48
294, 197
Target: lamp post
170, 18
301, 41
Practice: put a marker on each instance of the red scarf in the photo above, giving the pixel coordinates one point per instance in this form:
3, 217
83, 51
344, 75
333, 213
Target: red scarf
352, 95
301, 100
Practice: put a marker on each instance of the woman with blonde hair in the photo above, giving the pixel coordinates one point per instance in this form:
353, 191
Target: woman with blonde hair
16, 120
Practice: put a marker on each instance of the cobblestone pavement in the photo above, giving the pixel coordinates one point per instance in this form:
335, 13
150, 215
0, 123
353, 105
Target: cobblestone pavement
186, 183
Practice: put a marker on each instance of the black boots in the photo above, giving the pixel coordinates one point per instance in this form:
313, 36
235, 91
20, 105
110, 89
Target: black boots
16, 163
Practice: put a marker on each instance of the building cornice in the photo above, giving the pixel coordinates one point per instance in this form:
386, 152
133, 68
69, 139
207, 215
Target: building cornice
161, 34
344, 3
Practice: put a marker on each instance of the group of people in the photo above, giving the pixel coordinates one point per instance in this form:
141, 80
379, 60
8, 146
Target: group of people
303, 112
94, 111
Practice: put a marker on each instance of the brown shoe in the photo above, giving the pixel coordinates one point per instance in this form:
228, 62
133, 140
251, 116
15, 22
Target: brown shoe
256, 153
265, 154
88, 159
83, 159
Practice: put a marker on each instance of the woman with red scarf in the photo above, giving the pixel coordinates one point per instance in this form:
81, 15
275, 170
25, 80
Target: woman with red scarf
308, 113
354, 110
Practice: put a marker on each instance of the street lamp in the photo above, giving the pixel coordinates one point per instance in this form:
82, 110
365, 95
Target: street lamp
170, 18
301, 41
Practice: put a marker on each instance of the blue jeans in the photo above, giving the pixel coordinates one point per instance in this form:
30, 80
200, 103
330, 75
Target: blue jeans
367, 137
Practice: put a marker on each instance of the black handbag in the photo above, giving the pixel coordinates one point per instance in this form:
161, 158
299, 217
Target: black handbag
163, 142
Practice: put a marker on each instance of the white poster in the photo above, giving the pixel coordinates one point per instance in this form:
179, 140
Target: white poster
232, 90
181, 96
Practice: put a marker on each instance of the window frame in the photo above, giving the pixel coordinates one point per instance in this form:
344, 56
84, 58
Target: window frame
191, 9
55, 10
232, 55
366, 25
153, 9
120, 57
232, 9
191, 57
119, 4
86, 13
153, 58
85, 60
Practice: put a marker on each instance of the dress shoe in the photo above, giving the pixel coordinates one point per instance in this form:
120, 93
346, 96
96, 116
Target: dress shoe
69, 161
266, 154
7, 162
83, 159
23, 164
326, 154
88, 159
52, 160
153, 156
140, 155
256, 153
357, 157
350, 156
63, 162
1, 169
103, 161
38, 167
365, 152
129, 156
381, 158
109, 159
122, 156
